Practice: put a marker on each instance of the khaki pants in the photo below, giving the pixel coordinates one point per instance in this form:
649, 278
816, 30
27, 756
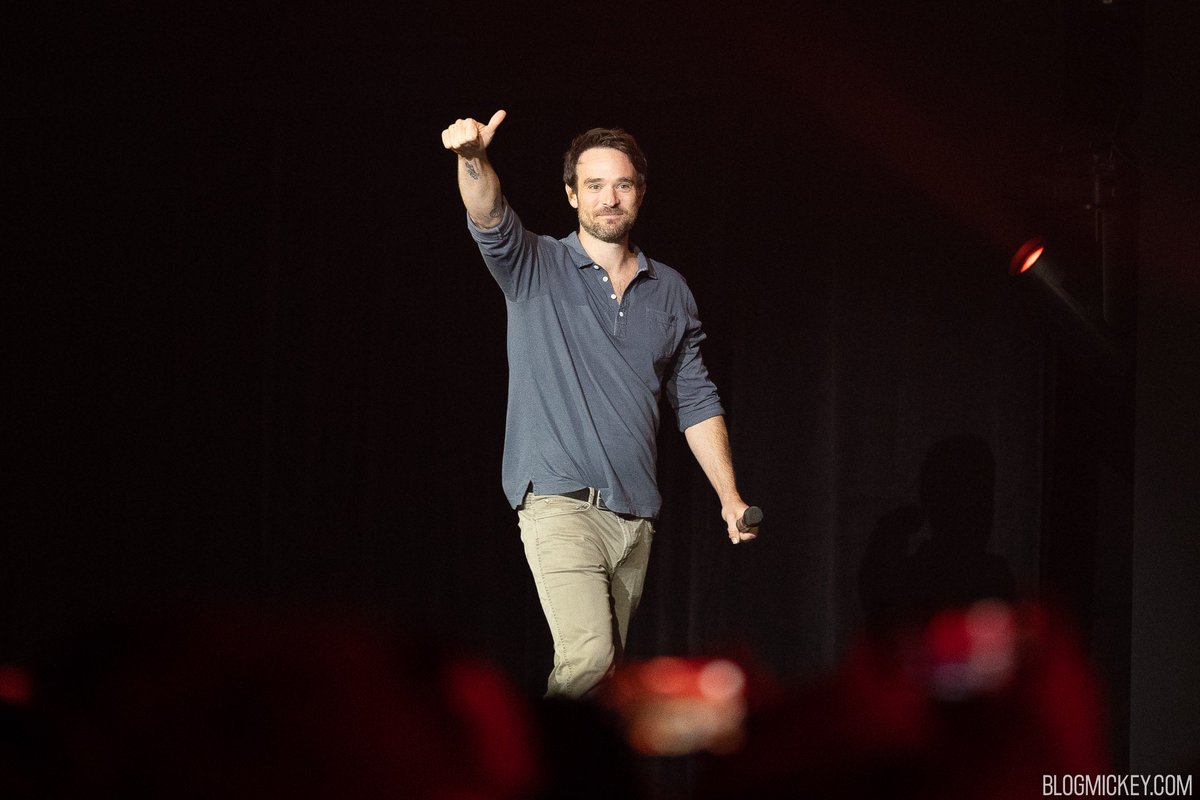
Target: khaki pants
589, 566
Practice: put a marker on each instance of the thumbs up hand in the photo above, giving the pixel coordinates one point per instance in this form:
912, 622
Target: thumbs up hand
470, 138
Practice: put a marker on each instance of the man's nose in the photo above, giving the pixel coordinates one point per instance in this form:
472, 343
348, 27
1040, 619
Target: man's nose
611, 199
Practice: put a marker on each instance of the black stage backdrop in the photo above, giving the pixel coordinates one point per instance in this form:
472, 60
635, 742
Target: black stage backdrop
259, 359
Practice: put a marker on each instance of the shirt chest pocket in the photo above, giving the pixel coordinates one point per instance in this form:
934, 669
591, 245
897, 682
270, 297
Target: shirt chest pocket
661, 333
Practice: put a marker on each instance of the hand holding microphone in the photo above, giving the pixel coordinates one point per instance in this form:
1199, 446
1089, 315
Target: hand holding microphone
742, 521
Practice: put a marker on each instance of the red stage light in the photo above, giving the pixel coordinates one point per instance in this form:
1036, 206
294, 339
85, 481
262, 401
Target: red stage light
1027, 255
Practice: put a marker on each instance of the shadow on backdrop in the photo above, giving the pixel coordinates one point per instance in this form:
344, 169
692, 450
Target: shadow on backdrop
920, 559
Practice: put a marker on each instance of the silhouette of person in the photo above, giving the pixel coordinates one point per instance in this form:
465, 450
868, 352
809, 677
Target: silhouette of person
920, 559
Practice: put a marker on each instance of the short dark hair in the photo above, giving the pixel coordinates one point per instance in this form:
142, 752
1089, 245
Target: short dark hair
615, 138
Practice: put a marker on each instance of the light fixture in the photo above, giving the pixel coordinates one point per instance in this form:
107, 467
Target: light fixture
1068, 277
1027, 255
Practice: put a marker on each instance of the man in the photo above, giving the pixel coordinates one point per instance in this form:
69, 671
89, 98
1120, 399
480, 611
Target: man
596, 333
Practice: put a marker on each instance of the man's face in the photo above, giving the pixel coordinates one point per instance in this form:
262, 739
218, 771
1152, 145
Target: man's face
606, 196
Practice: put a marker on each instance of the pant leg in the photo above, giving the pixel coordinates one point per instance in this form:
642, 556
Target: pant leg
573, 549
629, 576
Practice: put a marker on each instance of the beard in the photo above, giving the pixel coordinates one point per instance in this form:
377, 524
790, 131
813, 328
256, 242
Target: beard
608, 228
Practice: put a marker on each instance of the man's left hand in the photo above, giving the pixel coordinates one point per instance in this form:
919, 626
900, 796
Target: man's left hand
732, 514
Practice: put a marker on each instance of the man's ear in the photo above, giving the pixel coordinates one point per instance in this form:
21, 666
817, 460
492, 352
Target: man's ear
571, 198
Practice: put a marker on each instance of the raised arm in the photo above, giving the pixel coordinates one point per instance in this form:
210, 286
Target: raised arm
477, 181
709, 442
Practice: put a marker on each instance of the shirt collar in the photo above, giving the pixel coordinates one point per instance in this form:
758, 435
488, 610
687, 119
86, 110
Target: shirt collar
581, 259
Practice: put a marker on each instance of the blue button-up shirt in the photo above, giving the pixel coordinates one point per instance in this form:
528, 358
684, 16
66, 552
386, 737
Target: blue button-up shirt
586, 370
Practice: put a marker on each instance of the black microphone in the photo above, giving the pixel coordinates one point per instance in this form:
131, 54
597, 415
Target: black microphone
752, 517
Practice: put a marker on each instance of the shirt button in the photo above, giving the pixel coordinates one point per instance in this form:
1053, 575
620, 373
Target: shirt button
605, 279
612, 297
620, 313
595, 266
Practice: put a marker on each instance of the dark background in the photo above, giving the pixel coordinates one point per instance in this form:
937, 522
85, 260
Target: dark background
257, 359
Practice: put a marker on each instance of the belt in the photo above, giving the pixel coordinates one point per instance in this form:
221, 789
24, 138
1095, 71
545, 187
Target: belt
592, 497
587, 495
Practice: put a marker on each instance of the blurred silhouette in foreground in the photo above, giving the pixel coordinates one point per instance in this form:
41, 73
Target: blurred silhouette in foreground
979, 702
256, 704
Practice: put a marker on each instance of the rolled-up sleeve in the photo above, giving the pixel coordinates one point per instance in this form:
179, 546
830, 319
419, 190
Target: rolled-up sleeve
510, 253
690, 391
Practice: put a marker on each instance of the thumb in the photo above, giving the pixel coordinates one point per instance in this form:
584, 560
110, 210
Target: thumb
495, 121
732, 529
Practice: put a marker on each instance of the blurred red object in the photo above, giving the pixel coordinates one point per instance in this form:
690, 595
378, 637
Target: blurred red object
675, 706
979, 702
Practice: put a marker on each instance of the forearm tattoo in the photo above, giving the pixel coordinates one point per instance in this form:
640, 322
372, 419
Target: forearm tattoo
472, 172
